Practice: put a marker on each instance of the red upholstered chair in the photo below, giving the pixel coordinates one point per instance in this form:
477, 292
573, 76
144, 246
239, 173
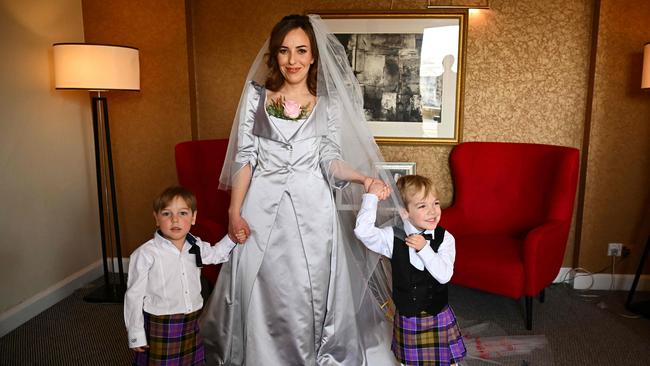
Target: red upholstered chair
512, 210
198, 166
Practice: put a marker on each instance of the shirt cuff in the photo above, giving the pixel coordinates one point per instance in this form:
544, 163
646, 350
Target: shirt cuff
227, 242
426, 253
369, 199
137, 339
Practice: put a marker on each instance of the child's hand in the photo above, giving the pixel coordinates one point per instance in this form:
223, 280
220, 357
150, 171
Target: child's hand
241, 236
237, 224
416, 241
379, 189
140, 349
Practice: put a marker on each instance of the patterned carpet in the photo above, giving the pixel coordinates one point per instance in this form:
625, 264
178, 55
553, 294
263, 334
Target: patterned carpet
578, 330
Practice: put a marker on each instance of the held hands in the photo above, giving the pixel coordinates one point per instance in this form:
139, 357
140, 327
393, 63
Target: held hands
140, 349
241, 236
377, 187
238, 229
416, 241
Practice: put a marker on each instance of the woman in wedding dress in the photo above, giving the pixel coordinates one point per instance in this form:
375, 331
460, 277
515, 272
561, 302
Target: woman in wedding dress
302, 290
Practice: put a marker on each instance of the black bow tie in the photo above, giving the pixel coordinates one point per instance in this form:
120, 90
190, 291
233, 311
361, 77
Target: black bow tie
194, 249
426, 236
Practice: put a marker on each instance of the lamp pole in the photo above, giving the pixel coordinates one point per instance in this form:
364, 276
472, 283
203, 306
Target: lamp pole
98, 68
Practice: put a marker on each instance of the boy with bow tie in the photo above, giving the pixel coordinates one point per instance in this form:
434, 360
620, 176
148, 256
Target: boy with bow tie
163, 301
422, 260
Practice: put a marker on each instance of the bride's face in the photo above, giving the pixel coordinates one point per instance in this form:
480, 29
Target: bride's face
295, 57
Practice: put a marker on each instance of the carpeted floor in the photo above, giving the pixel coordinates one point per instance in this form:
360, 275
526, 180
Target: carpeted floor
579, 330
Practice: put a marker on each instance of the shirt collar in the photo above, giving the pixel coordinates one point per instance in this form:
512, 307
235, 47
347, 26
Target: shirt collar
409, 229
161, 240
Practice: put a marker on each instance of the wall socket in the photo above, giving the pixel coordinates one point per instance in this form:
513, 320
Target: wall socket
614, 249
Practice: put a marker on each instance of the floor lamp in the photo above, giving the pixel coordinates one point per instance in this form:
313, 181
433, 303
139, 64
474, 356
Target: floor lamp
100, 68
642, 307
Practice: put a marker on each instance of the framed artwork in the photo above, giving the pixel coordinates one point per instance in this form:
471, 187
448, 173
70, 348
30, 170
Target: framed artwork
394, 169
383, 170
411, 70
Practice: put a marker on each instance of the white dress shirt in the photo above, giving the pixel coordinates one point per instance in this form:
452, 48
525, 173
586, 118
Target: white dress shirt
163, 281
380, 240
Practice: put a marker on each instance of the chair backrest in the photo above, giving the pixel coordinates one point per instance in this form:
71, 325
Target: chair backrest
509, 188
198, 167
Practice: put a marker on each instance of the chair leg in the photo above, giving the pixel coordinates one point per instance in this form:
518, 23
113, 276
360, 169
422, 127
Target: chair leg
529, 312
542, 295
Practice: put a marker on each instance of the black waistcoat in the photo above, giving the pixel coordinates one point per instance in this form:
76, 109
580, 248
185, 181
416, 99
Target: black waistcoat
415, 291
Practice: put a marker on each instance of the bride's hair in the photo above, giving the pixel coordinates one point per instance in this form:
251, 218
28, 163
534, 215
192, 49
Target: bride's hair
275, 79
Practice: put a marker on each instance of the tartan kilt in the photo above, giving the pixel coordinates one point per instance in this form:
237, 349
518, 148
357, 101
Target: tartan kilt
428, 339
174, 340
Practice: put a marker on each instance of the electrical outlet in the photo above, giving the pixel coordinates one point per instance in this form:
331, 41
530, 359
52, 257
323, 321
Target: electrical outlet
614, 249
626, 252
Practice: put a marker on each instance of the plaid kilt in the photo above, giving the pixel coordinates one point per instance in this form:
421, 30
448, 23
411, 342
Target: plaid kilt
174, 340
428, 339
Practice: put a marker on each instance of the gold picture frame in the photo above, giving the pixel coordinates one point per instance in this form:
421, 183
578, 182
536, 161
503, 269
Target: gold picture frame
411, 70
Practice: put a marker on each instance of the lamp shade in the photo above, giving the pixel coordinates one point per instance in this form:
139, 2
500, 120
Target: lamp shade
645, 79
96, 67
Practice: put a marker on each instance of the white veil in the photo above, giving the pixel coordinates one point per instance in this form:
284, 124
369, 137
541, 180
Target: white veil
368, 283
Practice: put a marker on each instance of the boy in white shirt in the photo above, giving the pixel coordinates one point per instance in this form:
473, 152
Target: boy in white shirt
422, 260
163, 300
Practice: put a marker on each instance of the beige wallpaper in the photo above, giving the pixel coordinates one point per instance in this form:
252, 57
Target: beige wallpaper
617, 192
145, 125
526, 72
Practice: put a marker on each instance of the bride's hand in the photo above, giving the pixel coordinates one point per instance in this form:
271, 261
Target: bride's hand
367, 182
236, 227
379, 187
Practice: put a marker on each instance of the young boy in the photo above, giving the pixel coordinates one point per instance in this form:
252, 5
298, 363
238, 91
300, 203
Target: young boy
163, 300
422, 259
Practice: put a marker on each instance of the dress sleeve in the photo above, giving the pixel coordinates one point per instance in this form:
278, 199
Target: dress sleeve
139, 265
330, 146
247, 142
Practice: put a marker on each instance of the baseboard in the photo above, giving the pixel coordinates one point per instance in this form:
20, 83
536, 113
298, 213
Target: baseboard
26, 310
602, 281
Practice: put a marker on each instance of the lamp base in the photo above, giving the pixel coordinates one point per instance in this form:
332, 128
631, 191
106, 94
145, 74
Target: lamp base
641, 308
106, 294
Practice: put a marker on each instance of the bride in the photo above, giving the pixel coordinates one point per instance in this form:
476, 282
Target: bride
302, 290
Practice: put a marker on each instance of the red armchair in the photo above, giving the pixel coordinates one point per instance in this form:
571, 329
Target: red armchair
511, 215
198, 166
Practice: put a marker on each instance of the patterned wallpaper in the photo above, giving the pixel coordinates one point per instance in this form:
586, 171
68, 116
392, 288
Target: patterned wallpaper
527, 67
526, 72
617, 195
145, 125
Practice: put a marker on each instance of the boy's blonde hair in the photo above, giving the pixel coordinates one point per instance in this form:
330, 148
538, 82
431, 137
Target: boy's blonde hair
411, 185
167, 196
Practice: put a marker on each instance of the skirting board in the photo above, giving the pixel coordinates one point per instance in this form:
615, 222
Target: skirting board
26, 310
602, 281
21, 313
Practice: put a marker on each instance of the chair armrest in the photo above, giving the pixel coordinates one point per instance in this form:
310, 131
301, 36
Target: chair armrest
544, 248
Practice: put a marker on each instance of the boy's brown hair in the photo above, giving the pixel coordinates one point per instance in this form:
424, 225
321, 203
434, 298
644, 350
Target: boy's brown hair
411, 185
167, 196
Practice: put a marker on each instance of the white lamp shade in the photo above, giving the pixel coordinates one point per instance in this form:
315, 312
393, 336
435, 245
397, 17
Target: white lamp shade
96, 67
645, 79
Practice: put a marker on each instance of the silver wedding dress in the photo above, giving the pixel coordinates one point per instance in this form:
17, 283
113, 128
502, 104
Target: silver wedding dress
301, 290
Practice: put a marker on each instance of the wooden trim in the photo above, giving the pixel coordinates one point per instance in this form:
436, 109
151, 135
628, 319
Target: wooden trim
586, 136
